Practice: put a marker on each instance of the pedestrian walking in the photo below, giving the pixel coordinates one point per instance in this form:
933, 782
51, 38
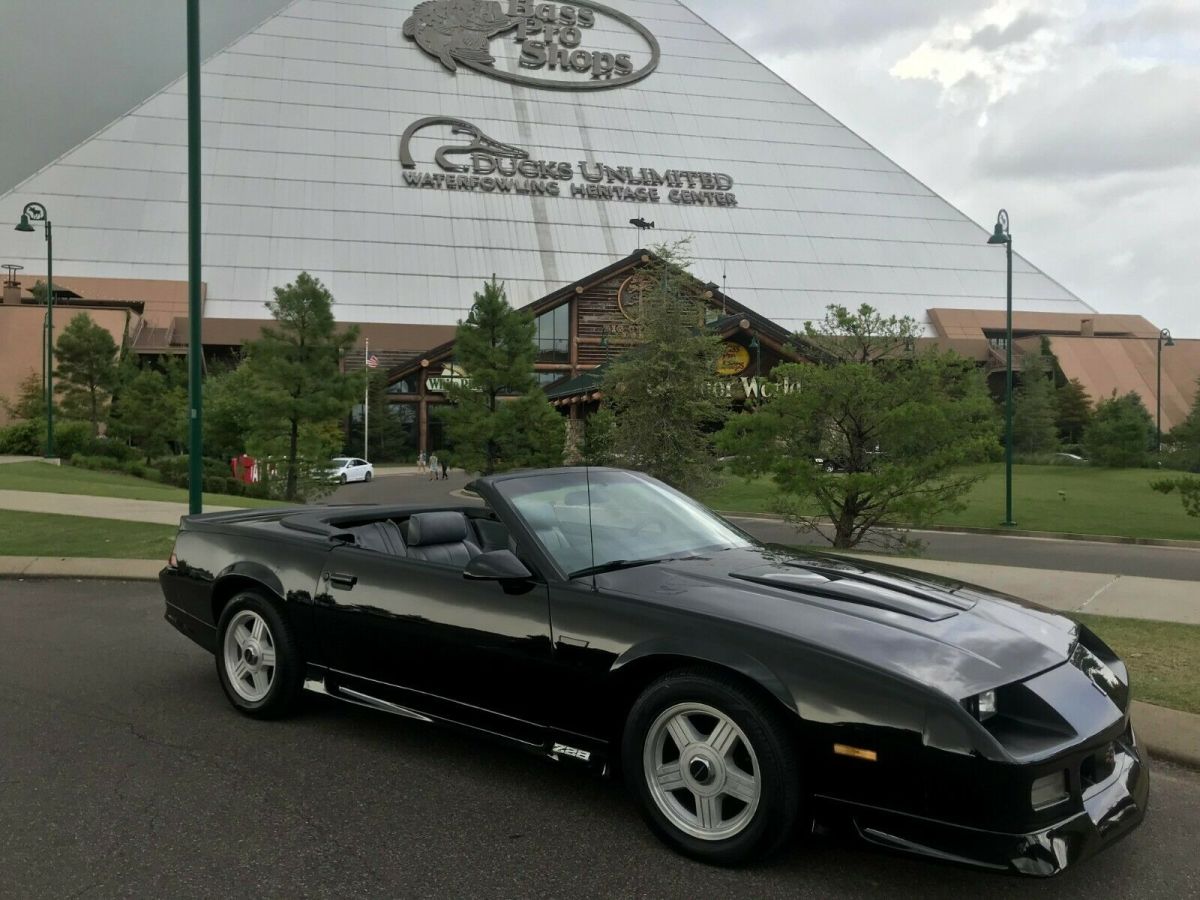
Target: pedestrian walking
421, 461
433, 467
445, 468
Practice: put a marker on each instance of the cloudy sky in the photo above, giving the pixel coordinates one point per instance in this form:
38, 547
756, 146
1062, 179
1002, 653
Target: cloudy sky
1082, 117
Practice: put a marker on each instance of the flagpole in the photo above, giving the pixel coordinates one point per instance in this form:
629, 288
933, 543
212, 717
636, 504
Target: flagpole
367, 402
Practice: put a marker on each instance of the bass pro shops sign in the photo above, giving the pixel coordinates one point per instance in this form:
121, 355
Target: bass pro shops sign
476, 163
554, 44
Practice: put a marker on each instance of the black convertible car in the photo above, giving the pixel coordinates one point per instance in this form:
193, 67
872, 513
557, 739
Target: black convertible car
605, 620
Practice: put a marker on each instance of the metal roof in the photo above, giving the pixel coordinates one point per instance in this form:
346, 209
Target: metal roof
303, 123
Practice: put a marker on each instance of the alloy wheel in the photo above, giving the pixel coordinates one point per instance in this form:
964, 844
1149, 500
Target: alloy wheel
702, 771
250, 656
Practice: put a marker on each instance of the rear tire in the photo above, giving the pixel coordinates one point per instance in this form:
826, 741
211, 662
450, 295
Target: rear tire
713, 767
368, 477
258, 660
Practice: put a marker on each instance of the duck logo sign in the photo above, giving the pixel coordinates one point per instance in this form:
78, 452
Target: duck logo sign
544, 45
474, 162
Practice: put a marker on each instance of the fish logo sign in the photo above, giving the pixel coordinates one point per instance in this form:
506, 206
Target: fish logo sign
458, 31
480, 144
549, 37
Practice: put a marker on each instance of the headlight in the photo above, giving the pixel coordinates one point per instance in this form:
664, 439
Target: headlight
982, 706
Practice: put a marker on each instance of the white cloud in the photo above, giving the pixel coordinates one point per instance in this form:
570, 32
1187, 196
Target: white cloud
1079, 116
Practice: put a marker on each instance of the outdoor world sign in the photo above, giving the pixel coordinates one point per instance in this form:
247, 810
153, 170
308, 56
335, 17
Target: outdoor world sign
478, 163
555, 38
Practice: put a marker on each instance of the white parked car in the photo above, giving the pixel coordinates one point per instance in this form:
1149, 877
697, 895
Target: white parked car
345, 469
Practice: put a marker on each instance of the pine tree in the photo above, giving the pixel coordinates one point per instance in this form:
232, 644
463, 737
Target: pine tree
299, 392
30, 402
149, 412
229, 412
1034, 409
1185, 437
661, 392
1121, 433
901, 424
1074, 411
499, 418
86, 357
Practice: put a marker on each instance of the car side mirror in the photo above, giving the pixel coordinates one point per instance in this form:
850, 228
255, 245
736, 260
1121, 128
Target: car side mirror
497, 565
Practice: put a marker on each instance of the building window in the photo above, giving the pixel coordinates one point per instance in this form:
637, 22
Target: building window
545, 379
554, 335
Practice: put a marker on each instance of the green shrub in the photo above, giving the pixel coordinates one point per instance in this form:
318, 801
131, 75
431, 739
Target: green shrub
110, 447
23, 439
136, 468
71, 438
218, 477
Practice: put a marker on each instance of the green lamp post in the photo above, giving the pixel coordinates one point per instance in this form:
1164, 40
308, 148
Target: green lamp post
1164, 340
35, 212
195, 345
1003, 235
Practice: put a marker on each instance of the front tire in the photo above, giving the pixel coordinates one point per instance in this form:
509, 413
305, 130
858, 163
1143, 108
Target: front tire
258, 659
713, 767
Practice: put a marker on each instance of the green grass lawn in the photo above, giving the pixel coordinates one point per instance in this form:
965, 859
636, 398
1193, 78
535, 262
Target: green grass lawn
1161, 656
36, 476
1115, 502
44, 534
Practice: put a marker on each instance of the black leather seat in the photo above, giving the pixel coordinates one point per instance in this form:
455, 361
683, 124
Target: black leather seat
441, 537
542, 518
383, 537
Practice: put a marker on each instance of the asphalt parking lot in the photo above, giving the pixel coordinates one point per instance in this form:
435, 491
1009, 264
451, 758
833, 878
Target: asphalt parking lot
124, 772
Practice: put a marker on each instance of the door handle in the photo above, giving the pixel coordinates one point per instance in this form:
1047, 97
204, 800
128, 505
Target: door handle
345, 582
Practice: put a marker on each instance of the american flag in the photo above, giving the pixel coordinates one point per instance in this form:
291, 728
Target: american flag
373, 362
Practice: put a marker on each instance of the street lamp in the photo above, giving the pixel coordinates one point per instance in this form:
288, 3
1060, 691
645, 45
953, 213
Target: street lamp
756, 346
1003, 235
1164, 340
195, 343
35, 212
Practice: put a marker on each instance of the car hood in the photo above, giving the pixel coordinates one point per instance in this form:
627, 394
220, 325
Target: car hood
946, 635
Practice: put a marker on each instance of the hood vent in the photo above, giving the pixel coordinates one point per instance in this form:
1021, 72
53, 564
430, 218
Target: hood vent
861, 589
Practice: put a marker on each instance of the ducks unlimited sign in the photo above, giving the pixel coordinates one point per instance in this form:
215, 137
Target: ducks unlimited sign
553, 40
476, 163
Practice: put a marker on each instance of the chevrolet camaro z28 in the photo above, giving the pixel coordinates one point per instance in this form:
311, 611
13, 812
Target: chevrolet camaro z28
743, 692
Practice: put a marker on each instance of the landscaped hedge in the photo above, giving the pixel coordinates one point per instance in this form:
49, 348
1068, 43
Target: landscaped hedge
23, 439
28, 438
218, 477
133, 467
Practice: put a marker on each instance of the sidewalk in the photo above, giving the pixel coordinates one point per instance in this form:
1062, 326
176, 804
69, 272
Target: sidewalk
24, 459
156, 512
1102, 595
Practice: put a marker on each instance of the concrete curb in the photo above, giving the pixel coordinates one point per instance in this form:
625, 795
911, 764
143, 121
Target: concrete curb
1167, 733
1001, 532
78, 567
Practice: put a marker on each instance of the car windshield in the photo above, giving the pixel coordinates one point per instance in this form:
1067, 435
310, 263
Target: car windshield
595, 521
338, 463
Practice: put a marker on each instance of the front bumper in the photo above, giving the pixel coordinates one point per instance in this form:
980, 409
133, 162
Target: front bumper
1111, 810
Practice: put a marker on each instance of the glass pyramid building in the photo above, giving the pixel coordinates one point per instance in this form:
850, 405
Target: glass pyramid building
405, 152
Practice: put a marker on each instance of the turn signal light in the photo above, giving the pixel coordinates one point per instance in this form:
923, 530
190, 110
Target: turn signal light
856, 752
